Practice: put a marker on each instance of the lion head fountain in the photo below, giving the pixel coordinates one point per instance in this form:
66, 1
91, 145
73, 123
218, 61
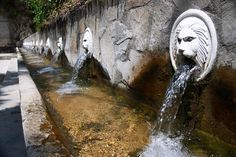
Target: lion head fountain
59, 44
88, 42
193, 36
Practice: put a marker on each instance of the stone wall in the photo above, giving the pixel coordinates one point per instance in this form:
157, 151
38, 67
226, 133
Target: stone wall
5, 38
15, 24
125, 31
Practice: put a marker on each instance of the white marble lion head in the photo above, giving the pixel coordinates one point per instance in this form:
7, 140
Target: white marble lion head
192, 42
87, 41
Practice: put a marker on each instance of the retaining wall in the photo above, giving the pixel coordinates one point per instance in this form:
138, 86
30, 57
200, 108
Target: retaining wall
131, 42
126, 32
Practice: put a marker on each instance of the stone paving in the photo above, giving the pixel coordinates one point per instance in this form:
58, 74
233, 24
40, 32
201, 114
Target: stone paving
12, 142
25, 128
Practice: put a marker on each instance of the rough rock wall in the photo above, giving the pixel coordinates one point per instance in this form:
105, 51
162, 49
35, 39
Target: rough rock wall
124, 31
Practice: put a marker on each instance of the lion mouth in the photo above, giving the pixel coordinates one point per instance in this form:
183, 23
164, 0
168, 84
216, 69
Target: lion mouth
195, 69
187, 61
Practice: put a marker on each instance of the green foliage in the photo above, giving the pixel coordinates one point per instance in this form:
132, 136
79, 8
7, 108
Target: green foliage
41, 10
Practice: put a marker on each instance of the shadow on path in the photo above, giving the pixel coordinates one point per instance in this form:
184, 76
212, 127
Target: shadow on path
12, 142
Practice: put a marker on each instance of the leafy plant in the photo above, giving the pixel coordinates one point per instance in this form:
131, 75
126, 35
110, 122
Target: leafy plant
41, 10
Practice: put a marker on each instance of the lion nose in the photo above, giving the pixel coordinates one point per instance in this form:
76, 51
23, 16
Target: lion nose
180, 51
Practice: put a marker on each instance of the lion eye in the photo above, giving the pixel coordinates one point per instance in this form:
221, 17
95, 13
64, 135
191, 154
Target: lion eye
188, 39
179, 40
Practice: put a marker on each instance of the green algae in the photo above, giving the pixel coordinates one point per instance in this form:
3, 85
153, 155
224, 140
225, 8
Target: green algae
205, 144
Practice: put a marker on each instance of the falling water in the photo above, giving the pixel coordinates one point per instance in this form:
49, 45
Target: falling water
50, 68
78, 65
163, 146
162, 142
71, 87
173, 98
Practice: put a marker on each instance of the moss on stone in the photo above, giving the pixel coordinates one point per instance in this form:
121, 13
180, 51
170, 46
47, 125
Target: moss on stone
213, 145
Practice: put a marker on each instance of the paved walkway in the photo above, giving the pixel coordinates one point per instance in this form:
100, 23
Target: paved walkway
25, 129
12, 142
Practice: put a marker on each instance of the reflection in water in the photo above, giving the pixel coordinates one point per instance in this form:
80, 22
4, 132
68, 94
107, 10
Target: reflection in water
69, 87
48, 69
162, 145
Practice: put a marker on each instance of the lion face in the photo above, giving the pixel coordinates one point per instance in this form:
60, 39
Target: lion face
47, 43
85, 43
59, 43
193, 40
86, 40
188, 44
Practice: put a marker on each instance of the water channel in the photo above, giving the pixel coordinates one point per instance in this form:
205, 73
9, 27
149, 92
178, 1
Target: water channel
101, 119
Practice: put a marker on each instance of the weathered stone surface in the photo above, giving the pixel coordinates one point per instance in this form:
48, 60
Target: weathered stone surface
141, 26
131, 4
151, 76
127, 67
120, 36
219, 101
228, 60
5, 39
186, 4
138, 21
119, 33
111, 14
201, 3
107, 59
161, 20
71, 44
229, 23
227, 34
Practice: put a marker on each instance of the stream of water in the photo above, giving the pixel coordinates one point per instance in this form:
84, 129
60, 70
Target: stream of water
50, 68
162, 142
71, 87
107, 123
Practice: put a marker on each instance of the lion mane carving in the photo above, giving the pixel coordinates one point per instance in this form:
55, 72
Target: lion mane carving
193, 37
192, 42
